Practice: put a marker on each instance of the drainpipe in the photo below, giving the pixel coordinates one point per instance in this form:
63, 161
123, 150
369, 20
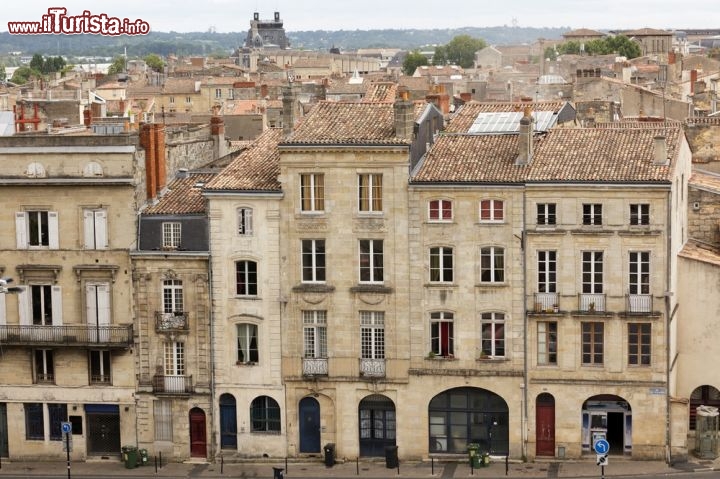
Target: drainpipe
524, 399
668, 359
213, 445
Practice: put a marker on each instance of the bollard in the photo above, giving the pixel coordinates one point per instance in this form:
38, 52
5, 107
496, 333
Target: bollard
222, 464
160, 459
277, 472
155, 459
286, 468
432, 466
472, 470
357, 466
507, 464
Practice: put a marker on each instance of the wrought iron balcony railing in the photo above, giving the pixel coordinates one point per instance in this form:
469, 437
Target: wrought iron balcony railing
315, 366
639, 303
67, 335
172, 384
546, 302
171, 322
372, 367
591, 302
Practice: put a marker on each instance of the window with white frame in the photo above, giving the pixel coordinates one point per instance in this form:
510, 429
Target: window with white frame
313, 260
492, 264
171, 100
592, 214
370, 186
441, 264
171, 235
492, 210
547, 343
44, 366
639, 214
245, 221
172, 296
99, 366
37, 229
174, 358
315, 334
41, 303
547, 271
371, 261
592, 272
440, 210
639, 272
546, 214
95, 228
593, 343
441, 333
312, 192
97, 311
492, 334
372, 334
639, 344
247, 343
246, 278
218, 93
162, 414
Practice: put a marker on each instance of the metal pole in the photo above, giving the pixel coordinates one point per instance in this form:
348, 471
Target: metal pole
67, 447
155, 459
160, 459
222, 464
286, 468
432, 466
602, 472
357, 466
507, 464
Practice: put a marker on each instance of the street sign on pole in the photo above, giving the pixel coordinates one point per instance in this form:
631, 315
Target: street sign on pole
66, 427
602, 459
601, 446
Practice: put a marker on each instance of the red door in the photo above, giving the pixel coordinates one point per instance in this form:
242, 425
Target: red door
198, 437
545, 425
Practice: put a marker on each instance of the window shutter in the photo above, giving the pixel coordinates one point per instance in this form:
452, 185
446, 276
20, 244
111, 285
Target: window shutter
101, 240
56, 295
24, 306
91, 304
89, 229
103, 304
21, 229
54, 239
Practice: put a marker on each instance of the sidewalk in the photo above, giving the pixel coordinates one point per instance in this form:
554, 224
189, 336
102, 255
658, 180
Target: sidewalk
363, 468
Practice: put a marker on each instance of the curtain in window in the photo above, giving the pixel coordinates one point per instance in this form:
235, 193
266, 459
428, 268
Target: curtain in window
377, 193
364, 192
319, 192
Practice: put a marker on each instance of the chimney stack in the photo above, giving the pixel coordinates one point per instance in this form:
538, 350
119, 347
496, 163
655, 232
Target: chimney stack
290, 114
404, 117
660, 157
217, 131
525, 139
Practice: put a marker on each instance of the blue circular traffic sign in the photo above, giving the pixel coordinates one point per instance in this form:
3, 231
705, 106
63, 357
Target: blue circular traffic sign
66, 427
601, 446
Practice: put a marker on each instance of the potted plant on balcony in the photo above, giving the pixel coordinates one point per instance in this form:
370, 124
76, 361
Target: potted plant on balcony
556, 308
591, 307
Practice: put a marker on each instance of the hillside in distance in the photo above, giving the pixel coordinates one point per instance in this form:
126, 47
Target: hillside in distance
209, 43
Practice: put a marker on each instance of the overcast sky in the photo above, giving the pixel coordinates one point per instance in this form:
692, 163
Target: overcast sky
235, 15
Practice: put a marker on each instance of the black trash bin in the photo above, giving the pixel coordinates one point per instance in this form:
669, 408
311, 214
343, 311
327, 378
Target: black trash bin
391, 457
278, 472
329, 454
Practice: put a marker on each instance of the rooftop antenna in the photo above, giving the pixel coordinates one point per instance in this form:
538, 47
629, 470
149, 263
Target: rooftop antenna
662, 80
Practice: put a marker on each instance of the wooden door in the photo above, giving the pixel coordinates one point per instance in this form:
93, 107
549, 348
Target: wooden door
545, 425
198, 435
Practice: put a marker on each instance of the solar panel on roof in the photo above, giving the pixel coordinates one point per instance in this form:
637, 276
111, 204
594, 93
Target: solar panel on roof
509, 122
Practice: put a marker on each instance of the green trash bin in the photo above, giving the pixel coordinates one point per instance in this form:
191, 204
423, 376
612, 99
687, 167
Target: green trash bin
130, 456
143, 460
474, 455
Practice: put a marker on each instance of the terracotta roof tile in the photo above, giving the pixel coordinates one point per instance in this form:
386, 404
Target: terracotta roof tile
184, 196
701, 253
560, 155
333, 123
465, 116
381, 91
705, 181
254, 169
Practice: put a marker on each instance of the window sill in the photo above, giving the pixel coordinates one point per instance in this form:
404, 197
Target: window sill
441, 285
246, 363
491, 223
248, 298
495, 359
492, 285
441, 358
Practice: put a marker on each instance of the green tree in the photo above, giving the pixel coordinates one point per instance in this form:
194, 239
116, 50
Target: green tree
3, 73
461, 50
23, 74
119, 65
440, 56
37, 62
622, 45
155, 62
413, 60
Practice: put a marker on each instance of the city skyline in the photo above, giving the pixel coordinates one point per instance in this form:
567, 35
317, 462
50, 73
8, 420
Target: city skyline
230, 16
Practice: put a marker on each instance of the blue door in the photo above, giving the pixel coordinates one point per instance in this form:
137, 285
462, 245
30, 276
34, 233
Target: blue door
309, 425
228, 422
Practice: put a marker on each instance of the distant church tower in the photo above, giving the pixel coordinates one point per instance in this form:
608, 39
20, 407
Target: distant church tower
266, 33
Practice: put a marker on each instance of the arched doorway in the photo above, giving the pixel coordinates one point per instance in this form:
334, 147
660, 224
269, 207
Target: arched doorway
377, 425
607, 417
309, 411
702, 396
228, 422
467, 415
545, 425
198, 434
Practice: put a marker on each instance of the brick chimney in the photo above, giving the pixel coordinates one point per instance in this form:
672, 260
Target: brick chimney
693, 80
152, 139
404, 117
217, 131
525, 139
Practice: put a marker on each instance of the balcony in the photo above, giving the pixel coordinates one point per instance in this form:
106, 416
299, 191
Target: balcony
75, 335
172, 384
171, 322
372, 368
639, 303
546, 303
591, 302
315, 366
